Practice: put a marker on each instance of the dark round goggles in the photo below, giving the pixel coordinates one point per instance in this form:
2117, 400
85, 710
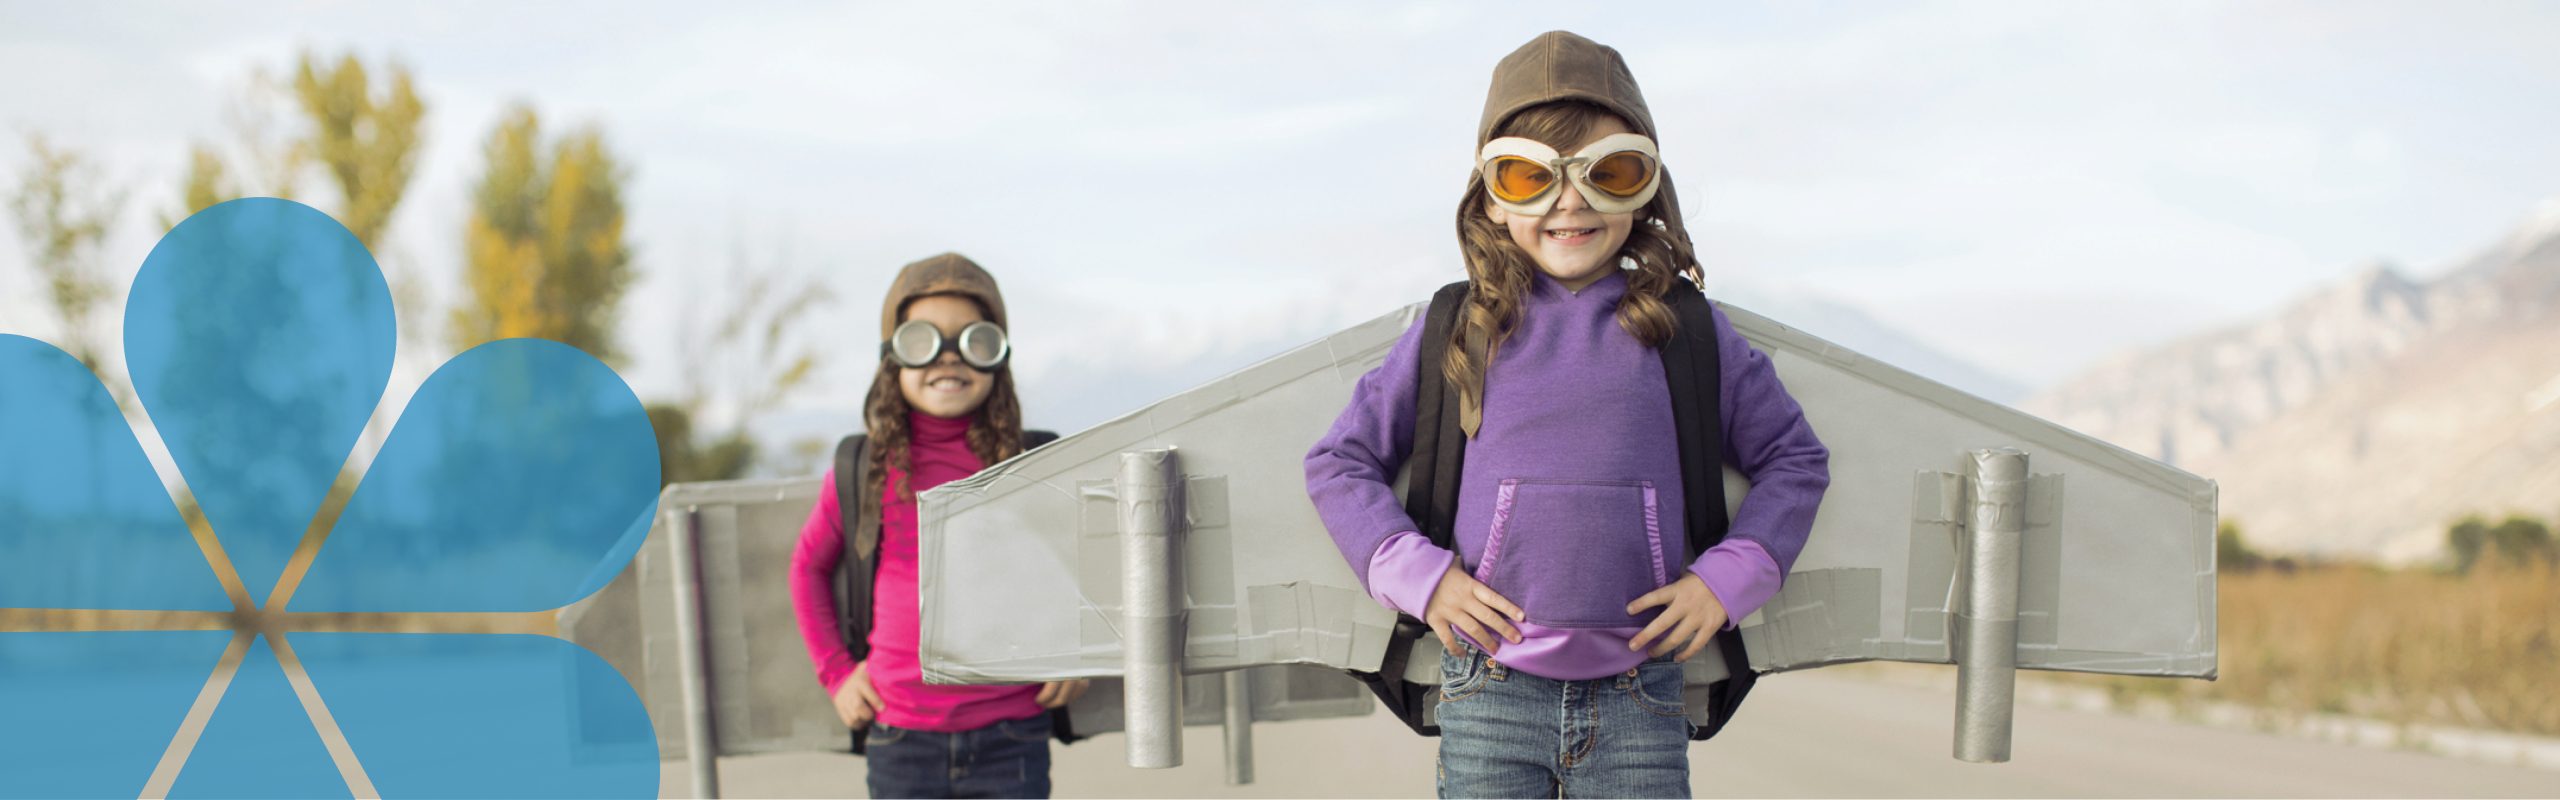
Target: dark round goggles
917, 343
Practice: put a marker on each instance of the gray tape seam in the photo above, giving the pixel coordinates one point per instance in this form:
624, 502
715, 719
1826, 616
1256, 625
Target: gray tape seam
1938, 516
1280, 631
1820, 614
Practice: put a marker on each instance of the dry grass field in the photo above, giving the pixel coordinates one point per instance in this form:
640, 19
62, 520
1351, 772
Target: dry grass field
2417, 646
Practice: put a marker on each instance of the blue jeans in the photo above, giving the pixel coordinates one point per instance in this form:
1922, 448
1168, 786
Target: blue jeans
1006, 759
1512, 734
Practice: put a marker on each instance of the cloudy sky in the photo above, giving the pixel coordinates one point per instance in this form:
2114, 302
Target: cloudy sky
1180, 188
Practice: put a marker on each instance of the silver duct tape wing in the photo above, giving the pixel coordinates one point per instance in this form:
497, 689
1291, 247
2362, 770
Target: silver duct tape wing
765, 696
1023, 560
2116, 571
765, 693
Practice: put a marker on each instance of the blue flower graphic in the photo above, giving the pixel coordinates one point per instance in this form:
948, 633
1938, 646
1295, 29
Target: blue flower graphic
259, 333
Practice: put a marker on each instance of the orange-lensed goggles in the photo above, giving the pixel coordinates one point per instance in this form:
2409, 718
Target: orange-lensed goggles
1617, 174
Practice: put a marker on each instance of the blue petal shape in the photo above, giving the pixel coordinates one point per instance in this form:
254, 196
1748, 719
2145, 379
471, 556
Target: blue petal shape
84, 522
531, 716
89, 714
259, 334
510, 479
260, 743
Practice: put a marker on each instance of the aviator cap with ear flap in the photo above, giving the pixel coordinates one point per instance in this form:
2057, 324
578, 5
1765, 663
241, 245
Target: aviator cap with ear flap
1560, 65
948, 273
1563, 66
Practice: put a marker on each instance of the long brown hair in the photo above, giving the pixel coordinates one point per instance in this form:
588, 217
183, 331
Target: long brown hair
995, 430
1502, 272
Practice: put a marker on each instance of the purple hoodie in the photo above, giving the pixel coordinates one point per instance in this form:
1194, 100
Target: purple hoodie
1571, 501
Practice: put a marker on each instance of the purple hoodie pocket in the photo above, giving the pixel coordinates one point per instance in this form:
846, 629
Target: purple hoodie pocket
1573, 554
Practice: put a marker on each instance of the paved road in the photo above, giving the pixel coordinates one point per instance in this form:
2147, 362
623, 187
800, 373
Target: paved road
1810, 734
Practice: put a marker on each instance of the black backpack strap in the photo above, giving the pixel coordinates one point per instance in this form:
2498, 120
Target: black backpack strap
1437, 459
858, 521
858, 514
1431, 499
1693, 365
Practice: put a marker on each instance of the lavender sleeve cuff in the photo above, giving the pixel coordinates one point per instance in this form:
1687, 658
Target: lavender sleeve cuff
1740, 573
1406, 570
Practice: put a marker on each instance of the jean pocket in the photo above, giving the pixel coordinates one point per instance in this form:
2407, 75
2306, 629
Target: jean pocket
880, 734
1462, 674
1026, 729
1656, 687
1573, 554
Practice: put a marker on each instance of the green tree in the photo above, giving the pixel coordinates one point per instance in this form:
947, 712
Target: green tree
2231, 549
64, 208
2520, 540
365, 138
2465, 540
2516, 541
206, 184
683, 457
544, 251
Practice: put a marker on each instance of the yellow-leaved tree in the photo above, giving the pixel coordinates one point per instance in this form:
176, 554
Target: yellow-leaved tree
544, 251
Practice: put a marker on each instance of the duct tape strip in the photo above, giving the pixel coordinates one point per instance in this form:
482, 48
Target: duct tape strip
1937, 522
2040, 567
1098, 567
1308, 623
1423, 664
1209, 572
2173, 665
1821, 616
2208, 506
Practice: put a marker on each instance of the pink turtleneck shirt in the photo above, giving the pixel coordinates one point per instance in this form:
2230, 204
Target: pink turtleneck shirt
939, 450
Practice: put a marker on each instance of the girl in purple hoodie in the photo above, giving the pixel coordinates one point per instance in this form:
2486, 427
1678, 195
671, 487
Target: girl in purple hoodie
1564, 612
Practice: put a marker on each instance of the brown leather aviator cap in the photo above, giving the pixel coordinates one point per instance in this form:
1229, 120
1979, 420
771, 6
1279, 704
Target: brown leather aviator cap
1560, 65
948, 273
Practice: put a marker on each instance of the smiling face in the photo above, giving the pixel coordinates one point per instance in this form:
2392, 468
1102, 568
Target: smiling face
946, 388
1571, 243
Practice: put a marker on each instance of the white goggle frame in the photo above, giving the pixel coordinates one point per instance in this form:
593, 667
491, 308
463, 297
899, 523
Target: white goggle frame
1576, 170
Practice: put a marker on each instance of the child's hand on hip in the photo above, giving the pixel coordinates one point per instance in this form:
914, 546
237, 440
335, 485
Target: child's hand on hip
1056, 694
856, 702
1465, 603
1691, 615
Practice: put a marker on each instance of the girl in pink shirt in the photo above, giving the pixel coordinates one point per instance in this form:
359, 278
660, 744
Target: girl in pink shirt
942, 407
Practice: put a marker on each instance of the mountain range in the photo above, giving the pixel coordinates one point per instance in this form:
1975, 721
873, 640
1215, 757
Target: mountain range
2362, 418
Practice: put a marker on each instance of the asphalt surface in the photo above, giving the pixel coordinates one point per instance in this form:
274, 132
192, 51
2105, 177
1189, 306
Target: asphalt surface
1813, 734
